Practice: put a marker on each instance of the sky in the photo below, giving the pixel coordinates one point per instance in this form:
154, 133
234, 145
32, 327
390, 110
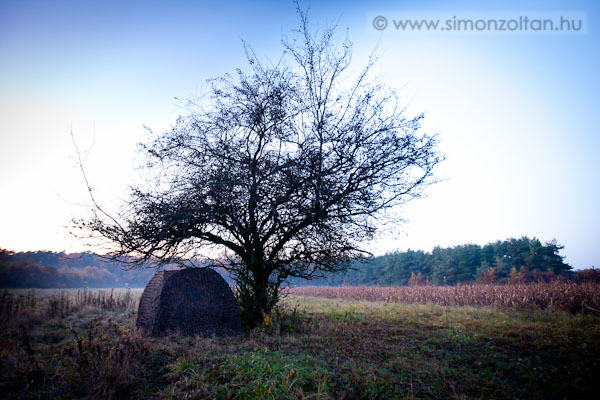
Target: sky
514, 109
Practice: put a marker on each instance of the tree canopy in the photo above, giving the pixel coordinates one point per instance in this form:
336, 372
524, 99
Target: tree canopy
285, 169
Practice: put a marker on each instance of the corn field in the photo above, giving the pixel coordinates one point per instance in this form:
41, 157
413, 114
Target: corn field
559, 295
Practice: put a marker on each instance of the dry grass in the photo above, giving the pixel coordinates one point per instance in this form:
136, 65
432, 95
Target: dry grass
312, 348
63, 304
71, 343
556, 295
13, 305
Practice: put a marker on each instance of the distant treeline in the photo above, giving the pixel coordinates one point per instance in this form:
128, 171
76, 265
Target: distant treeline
512, 260
46, 269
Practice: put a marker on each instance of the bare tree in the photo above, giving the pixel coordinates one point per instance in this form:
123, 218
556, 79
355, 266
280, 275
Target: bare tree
288, 169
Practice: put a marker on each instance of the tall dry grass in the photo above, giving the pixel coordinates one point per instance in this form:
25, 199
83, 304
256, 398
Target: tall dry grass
62, 304
12, 305
560, 295
67, 345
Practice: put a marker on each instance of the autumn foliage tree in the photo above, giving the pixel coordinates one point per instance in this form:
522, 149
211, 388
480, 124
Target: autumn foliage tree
285, 170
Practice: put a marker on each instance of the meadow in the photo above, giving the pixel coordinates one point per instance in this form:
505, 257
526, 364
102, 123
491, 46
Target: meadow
353, 345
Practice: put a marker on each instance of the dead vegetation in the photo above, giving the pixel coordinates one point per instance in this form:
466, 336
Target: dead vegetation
556, 295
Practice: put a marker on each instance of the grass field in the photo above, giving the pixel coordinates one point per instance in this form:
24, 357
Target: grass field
314, 348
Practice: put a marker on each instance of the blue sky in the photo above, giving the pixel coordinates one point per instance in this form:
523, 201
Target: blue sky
515, 111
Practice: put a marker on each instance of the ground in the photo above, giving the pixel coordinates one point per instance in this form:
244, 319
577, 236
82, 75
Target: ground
309, 348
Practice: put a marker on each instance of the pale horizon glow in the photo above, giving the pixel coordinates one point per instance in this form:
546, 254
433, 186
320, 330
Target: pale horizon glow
514, 112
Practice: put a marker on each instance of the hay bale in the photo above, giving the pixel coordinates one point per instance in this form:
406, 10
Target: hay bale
193, 301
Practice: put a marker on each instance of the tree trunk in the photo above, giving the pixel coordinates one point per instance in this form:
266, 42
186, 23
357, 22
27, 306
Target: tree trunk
255, 298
